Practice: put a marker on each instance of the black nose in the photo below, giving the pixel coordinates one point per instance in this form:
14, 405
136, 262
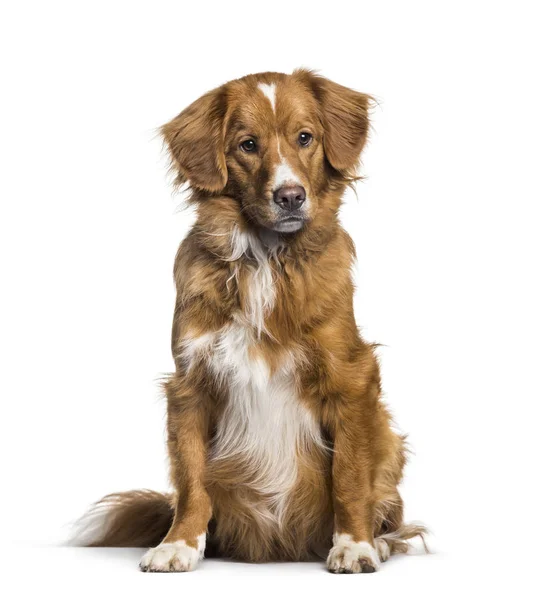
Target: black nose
290, 197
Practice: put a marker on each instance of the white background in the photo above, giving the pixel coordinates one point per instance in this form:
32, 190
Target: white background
453, 227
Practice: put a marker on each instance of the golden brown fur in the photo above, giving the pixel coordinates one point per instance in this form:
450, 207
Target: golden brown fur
348, 483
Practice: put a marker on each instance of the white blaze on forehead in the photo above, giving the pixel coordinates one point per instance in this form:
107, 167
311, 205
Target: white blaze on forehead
283, 174
268, 90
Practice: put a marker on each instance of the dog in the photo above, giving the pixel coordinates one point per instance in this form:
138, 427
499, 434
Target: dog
280, 446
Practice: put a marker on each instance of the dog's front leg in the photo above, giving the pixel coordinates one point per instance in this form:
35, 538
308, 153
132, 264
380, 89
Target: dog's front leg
353, 548
187, 425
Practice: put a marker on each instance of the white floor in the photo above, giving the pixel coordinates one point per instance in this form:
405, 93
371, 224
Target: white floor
63, 572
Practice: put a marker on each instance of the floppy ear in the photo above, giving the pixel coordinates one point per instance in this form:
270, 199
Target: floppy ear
344, 113
195, 142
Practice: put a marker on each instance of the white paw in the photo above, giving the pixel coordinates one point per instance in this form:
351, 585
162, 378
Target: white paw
173, 557
347, 556
382, 548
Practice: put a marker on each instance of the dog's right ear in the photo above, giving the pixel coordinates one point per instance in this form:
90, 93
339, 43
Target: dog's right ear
195, 142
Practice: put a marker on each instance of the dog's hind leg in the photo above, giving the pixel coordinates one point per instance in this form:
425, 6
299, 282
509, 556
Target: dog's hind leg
391, 532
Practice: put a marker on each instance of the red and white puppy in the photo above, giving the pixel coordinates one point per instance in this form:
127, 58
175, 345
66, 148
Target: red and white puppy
280, 446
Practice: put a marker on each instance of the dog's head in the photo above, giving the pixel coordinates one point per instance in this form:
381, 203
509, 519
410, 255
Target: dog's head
275, 143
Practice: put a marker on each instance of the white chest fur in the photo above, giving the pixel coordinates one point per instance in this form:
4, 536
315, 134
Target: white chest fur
264, 425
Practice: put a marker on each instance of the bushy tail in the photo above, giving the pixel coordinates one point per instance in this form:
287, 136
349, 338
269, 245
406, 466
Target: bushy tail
398, 540
140, 518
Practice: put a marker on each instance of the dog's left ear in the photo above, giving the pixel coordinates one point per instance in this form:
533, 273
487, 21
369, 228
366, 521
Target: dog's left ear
344, 114
195, 142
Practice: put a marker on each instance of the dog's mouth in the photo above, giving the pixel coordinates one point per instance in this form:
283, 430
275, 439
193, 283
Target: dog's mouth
289, 224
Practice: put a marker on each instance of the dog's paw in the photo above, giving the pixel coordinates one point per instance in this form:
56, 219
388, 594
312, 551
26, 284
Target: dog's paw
383, 549
173, 557
347, 556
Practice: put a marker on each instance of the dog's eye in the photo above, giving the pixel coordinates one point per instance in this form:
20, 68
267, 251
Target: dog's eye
248, 146
304, 138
